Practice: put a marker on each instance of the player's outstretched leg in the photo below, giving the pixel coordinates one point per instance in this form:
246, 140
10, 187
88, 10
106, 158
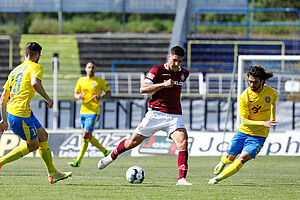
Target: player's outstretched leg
15, 154
112, 156
229, 171
105, 161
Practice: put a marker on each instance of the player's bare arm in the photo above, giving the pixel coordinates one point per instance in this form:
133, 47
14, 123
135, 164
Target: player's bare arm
3, 102
37, 84
150, 88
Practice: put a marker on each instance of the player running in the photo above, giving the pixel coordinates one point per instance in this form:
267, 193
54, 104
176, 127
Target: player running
165, 83
89, 90
20, 87
257, 105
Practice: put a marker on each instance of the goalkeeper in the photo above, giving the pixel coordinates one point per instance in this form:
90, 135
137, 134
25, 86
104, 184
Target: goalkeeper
257, 105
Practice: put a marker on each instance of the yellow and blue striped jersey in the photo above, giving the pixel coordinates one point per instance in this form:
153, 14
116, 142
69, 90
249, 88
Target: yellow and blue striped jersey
255, 108
88, 87
21, 90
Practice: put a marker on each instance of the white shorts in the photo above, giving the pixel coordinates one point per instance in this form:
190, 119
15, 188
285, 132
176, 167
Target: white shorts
155, 121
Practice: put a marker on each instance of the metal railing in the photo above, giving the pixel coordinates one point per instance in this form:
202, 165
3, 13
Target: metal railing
123, 84
128, 83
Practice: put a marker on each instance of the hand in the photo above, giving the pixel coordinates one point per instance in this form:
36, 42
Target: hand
97, 97
50, 103
3, 126
270, 123
169, 83
80, 96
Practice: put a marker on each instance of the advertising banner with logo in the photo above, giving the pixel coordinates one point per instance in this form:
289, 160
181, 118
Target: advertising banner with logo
67, 143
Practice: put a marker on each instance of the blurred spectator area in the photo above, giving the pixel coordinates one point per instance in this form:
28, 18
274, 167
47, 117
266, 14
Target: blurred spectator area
215, 55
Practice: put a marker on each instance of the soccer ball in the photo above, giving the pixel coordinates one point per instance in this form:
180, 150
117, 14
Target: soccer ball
135, 175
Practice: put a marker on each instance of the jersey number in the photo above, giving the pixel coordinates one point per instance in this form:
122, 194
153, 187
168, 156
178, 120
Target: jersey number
17, 86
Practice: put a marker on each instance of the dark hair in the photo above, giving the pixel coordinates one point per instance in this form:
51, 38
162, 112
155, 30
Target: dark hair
32, 48
178, 51
259, 72
92, 63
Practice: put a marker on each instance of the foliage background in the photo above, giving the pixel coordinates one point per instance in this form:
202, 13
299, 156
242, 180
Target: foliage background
47, 23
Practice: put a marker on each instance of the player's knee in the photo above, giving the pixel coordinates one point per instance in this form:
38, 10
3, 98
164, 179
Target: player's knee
42, 134
182, 145
244, 159
32, 147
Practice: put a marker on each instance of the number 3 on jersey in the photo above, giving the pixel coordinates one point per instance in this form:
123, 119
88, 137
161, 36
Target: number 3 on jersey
17, 86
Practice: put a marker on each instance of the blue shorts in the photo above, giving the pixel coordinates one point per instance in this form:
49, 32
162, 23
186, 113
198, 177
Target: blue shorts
26, 128
243, 142
88, 121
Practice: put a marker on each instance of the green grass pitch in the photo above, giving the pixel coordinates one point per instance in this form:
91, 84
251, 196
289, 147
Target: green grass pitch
266, 177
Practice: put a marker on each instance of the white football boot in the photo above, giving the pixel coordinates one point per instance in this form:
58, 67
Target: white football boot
183, 181
104, 162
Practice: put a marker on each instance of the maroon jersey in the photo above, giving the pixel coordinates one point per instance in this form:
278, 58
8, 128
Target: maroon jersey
167, 99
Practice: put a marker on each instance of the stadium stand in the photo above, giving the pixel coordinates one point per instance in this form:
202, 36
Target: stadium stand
103, 49
220, 57
4, 57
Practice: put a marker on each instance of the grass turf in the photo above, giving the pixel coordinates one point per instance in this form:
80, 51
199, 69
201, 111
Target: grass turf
266, 177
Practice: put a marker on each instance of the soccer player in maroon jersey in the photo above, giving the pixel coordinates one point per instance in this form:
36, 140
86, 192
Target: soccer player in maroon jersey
165, 83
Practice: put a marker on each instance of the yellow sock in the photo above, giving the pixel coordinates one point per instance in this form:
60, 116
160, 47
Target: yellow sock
96, 143
225, 160
46, 155
15, 154
231, 169
84, 146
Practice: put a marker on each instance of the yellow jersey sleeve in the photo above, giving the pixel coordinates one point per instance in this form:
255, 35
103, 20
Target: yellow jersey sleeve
6, 86
89, 87
273, 111
255, 108
77, 87
37, 71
